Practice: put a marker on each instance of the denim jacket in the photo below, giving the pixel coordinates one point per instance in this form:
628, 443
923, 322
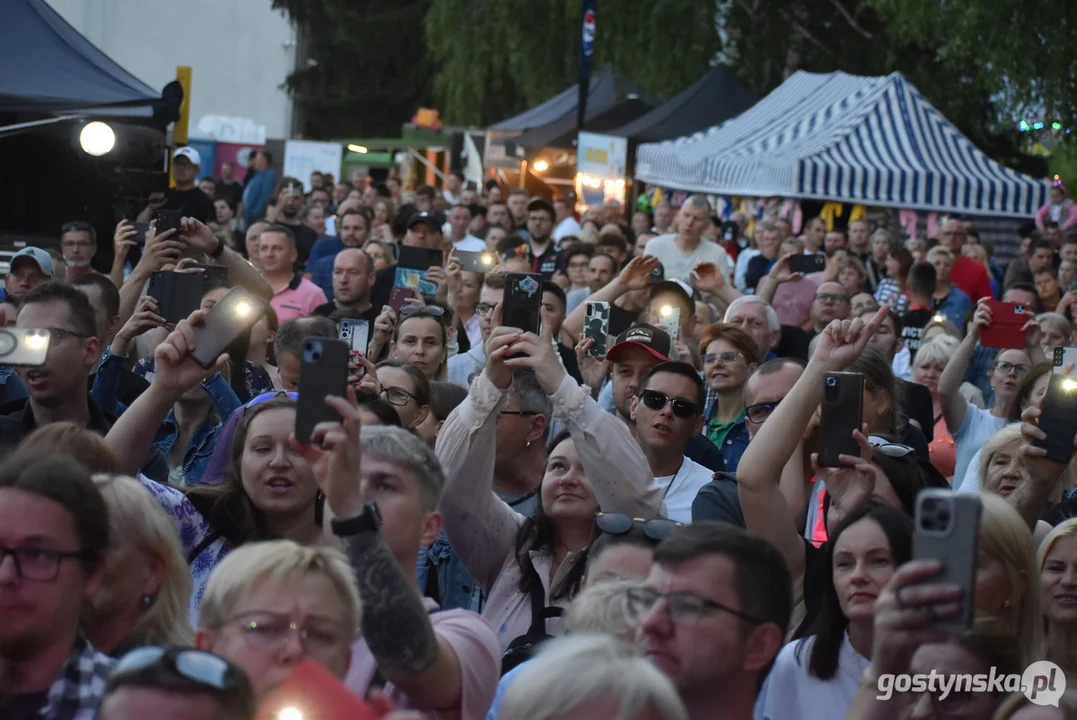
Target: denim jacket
195, 459
456, 588
11, 385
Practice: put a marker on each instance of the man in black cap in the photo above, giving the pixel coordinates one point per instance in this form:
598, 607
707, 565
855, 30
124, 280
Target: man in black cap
424, 230
545, 255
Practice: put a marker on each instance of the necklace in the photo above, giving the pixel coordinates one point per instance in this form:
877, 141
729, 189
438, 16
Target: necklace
672, 480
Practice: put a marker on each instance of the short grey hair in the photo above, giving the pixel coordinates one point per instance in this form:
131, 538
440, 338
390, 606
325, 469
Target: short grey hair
399, 446
574, 671
699, 202
527, 392
604, 608
772, 317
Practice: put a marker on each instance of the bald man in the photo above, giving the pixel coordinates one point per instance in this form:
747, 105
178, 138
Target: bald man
353, 279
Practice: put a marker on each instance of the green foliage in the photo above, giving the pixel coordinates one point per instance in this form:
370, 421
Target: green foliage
370, 69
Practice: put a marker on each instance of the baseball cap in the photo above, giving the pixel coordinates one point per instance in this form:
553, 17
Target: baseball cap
188, 152
654, 340
431, 220
677, 287
37, 255
541, 204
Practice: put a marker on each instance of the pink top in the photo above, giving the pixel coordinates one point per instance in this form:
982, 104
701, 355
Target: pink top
482, 528
792, 300
297, 299
1066, 214
475, 645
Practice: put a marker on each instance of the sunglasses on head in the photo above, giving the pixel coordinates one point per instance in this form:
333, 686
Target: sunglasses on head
200, 667
681, 408
434, 310
890, 449
292, 395
619, 524
77, 225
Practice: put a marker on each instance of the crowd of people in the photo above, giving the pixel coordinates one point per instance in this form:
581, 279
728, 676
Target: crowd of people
500, 523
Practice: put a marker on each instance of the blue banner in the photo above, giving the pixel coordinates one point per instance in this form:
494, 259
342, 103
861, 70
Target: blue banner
587, 50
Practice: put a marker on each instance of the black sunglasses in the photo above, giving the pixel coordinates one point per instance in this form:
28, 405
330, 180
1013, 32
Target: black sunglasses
681, 408
619, 524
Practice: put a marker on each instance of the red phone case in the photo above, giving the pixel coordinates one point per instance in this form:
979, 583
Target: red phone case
317, 694
1005, 331
398, 297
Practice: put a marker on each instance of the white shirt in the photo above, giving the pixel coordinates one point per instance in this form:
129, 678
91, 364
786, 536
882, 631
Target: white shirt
678, 264
976, 429
681, 488
568, 226
470, 243
790, 693
902, 365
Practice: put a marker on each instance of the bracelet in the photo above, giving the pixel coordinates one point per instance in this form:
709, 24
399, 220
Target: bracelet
219, 250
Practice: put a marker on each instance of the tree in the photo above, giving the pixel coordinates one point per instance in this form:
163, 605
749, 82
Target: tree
368, 68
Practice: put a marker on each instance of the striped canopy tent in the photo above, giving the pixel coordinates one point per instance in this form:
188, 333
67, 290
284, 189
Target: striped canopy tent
867, 140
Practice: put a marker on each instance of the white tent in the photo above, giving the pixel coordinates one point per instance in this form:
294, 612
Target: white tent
869, 140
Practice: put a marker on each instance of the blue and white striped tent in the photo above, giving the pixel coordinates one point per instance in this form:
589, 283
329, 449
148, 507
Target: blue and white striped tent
868, 140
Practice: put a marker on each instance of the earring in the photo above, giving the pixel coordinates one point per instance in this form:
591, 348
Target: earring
1007, 604
528, 443
147, 600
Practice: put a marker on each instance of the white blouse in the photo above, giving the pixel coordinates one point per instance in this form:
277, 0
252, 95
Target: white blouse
790, 693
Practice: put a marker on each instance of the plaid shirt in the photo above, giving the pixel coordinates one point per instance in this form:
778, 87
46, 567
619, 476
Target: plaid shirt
77, 691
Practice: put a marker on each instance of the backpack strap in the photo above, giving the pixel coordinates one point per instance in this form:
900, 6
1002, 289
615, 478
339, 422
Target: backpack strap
203, 546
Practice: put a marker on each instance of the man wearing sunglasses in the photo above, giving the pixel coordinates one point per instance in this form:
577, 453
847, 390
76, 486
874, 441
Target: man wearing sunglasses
718, 499
668, 412
714, 616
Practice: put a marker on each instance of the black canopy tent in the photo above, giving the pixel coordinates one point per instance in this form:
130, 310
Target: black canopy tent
714, 98
57, 68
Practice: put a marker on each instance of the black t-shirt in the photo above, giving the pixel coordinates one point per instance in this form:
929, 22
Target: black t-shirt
232, 189
304, 241
794, 342
621, 319
547, 263
331, 307
757, 268
190, 203
916, 401
913, 322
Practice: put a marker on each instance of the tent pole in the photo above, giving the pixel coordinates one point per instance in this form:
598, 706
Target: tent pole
13, 129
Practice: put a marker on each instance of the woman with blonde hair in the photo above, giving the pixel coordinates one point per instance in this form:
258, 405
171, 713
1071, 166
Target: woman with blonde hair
144, 596
1055, 331
927, 368
1058, 585
595, 676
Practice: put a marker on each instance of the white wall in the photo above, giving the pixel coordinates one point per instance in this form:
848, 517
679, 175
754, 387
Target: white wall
240, 51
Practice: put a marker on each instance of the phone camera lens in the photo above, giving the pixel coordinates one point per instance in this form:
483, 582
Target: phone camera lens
831, 382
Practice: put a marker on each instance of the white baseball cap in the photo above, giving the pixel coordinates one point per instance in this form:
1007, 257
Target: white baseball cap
190, 153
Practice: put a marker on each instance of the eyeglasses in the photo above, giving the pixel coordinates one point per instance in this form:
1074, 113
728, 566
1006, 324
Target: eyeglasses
483, 308
728, 358
58, 334
291, 395
434, 310
73, 244
397, 395
759, 412
681, 408
619, 524
832, 299
578, 266
200, 667
268, 631
1006, 367
37, 563
516, 413
685, 608
890, 449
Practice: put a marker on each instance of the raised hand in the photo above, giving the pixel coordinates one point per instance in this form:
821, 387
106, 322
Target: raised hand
982, 318
593, 370
498, 347
197, 235
636, 275
852, 486
384, 325
146, 317
335, 456
538, 356
706, 277
122, 241
174, 371
843, 341
780, 272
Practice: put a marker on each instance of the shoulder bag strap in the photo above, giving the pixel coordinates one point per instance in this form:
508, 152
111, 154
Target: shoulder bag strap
203, 546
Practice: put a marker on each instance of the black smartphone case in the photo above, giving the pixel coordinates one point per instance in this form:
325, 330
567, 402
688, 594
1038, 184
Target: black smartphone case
811, 263
222, 327
1058, 419
166, 220
418, 258
843, 402
177, 294
323, 371
523, 301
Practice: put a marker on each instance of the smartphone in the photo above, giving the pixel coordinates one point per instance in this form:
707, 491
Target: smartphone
843, 407
419, 258
356, 333
167, 220
142, 229
478, 262
1058, 418
1063, 356
597, 327
215, 275
1005, 331
807, 263
399, 296
24, 346
177, 294
236, 313
657, 275
323, 370
669, 317
523, 300
312, 692
947, 529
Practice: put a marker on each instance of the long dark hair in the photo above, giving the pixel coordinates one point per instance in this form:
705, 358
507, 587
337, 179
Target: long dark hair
830, 624
227, 507
539, 533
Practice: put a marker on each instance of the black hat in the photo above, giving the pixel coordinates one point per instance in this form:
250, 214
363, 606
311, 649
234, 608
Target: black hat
541, 204
677, 287
430, 219
654, 340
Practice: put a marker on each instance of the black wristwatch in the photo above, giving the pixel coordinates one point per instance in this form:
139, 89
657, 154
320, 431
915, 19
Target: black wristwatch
219, 250
369, 521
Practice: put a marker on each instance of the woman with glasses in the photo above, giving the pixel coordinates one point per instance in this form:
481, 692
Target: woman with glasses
730, 356
969, 425
406, 388
818, 676
524, 564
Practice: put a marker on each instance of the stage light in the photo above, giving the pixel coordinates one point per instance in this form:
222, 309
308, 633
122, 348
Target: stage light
541, 166
97, 139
